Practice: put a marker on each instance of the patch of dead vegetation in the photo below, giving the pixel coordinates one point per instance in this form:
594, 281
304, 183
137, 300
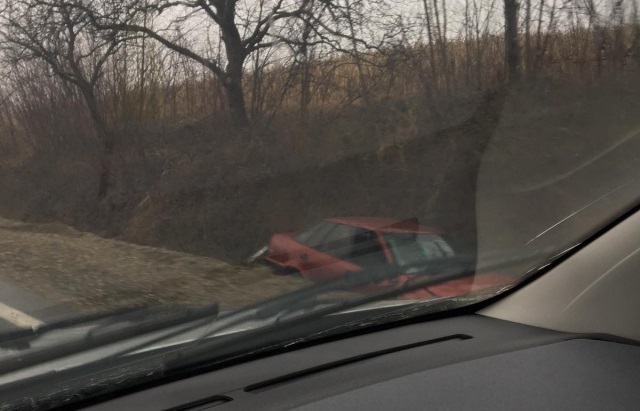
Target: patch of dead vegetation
67, 266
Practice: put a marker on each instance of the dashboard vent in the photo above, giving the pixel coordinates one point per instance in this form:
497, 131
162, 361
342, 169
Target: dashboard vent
284, 379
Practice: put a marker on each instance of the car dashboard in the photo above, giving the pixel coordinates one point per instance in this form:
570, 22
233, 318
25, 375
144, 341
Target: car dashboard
468, 362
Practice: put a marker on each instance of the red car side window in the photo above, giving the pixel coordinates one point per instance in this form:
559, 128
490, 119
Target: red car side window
357, 245
339, 242
367, 250
410, 249
345, 242
315, 236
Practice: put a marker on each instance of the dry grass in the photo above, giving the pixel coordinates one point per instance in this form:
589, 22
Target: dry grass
94, 274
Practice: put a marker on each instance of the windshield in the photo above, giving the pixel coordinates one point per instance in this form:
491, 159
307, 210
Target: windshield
412, 249
173, 173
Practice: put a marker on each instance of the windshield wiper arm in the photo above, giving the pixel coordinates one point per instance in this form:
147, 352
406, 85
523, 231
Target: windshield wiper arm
131, 322
20, 339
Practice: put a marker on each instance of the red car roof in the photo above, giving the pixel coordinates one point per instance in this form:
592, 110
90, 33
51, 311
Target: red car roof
384, 224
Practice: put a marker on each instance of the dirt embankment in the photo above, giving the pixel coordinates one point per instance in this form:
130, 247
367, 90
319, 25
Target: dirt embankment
207, 194
228, 210
90, 273
431, 177
203, 192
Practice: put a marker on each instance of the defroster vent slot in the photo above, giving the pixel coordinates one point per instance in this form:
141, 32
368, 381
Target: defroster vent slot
203, 404
284, 379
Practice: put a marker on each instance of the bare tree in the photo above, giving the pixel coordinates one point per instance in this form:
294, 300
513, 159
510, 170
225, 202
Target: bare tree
63, 38
243, 28
527, 36
544, 36
430, 37
512, 47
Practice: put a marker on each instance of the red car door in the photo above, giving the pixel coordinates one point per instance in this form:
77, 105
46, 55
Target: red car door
327, 251
297, 252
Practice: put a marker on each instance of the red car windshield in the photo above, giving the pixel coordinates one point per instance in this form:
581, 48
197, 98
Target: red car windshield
410, 249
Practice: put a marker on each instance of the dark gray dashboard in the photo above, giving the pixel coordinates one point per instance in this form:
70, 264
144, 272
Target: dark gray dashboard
570, 375
469, 362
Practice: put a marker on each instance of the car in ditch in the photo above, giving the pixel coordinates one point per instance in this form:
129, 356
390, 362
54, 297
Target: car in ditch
336, 247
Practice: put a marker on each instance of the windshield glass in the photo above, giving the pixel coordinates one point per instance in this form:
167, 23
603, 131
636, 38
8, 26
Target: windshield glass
210, 168
411, 249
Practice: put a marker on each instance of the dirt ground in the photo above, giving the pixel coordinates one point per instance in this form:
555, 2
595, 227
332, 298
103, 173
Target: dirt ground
90, 273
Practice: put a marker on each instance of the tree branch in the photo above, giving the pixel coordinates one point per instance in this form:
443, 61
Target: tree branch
211, 65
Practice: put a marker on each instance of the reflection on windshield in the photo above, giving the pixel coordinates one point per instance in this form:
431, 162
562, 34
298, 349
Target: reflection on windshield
411, 249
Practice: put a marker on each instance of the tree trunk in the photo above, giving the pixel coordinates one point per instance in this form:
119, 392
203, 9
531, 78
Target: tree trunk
512, 48
104, 136
479, 46
432, 57
235, 100
539, 35
442, 44
256, 86
527, 36
305, 91
232, 81
467, 43
619, 51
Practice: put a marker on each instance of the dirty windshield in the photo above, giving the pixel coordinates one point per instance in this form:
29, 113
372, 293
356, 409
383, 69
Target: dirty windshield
218, 154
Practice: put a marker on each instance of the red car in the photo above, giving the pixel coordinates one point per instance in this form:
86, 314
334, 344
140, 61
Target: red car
336, 246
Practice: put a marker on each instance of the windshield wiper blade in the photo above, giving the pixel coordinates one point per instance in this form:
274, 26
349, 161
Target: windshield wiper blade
132, 322
20, 339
